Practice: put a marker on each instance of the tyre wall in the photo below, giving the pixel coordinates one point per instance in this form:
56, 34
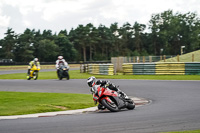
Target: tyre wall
162, 68
101, 69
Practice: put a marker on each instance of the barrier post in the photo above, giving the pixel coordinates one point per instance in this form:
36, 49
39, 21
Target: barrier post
192, 57
164, 58
161, 57
177, 58
138, 59
150, 59
143, 59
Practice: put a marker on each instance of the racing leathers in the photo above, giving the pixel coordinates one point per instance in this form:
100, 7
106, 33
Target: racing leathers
31, 64
60, 63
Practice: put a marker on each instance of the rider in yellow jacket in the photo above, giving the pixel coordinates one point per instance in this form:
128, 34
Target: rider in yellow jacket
35, 62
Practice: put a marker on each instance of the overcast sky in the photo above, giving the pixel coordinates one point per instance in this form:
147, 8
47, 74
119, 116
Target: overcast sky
58, 15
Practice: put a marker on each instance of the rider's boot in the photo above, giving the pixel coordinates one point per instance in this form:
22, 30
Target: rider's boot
28, 73
58, 73
123, 95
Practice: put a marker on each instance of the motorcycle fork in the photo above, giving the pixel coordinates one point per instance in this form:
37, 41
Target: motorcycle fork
31, 73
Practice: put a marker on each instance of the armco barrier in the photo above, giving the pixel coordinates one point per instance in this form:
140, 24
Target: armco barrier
162, 68
101, 69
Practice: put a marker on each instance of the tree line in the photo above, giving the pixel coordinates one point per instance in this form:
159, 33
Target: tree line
165, 33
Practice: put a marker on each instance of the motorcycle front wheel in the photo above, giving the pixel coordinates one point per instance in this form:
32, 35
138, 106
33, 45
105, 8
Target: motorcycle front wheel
35, 76
67, 76
110, 106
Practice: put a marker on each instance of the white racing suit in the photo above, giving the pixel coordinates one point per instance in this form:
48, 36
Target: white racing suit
60, 63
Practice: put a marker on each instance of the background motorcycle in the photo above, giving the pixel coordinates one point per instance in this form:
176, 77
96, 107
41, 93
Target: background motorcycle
34, 73
110, 99
63, 73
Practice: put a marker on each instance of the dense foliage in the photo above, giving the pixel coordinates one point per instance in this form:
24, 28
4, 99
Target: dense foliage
166, 33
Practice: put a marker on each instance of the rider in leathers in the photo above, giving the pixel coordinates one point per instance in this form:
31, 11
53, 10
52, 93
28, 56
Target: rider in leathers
92, 81
35, 62
60, 62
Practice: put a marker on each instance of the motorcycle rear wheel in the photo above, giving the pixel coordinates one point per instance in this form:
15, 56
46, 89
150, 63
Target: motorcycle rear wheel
110, 106
67, 76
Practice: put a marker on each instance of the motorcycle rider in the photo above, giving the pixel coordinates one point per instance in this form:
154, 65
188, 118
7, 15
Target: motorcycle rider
91, 81
35, 62
61, 62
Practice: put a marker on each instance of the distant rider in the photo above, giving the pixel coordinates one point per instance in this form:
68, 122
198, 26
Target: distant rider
61, 62
35, 62
91, 81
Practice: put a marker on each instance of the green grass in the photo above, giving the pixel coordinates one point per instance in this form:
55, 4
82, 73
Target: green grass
25, 67
194, 131
75, 74
18, 103
185, 57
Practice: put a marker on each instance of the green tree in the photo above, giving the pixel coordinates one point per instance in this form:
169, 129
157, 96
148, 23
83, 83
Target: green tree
1, 51
115, 39
138, 33
48, 51
24, 46
104, 43
8, 44
79, 38
171, 31
66, 48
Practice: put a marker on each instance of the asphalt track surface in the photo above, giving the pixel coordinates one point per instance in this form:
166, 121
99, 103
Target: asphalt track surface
175, 105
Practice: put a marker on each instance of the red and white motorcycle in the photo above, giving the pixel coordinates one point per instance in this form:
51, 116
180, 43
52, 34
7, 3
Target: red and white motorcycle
110, 99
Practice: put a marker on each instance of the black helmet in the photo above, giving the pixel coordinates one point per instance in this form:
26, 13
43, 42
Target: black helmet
91, 81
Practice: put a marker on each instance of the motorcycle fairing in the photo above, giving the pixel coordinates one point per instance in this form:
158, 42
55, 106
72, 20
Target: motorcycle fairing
33, 70
120, 103
107, 99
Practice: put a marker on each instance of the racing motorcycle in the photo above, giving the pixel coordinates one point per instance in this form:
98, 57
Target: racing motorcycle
110, 99
63, 72
33, 73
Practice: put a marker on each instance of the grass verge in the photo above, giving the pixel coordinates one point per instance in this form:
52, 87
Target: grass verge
19, 103
24, 67
75, 74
